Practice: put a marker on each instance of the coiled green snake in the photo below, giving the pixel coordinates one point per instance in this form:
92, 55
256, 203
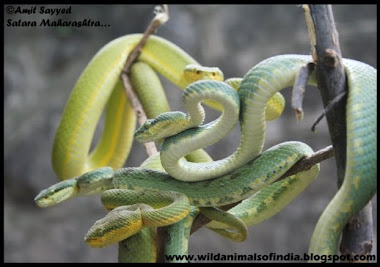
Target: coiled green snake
239, 176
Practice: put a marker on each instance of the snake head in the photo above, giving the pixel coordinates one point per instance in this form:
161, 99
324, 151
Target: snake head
163, 126
193, 73
56, 193
119, 224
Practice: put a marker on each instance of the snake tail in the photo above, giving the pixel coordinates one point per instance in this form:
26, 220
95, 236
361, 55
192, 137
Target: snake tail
239, 231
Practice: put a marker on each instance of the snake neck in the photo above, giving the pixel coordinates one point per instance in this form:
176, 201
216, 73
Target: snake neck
258, 86
176, 147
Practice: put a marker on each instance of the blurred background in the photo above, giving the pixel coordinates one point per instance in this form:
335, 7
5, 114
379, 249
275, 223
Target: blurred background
42, 64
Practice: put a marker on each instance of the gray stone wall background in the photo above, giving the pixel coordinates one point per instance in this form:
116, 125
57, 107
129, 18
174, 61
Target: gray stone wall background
41, 65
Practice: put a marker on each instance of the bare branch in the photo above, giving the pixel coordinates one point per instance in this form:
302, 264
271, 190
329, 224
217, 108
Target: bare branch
299, 88
306, 163
331, 77
139, 110
332, 84
357, 236
160, 18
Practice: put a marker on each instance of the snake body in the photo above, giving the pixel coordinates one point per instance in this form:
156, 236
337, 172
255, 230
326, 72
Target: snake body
92, 92
360, 180
184, 133
242, 174
258, 86
237, 185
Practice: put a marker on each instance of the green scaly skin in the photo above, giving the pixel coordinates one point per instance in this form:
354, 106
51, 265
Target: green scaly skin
230, 188
134, 210
99, 87
69, 156
139, 248
359, 183
268, 201
148, 87
360, 180
257, 87
268, 77
153, 99
176, 236
237, 185
177, 128
275, 105
90, 96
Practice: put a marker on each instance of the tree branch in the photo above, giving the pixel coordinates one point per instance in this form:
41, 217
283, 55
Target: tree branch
332, 83
299, 88
162, 16
357, 235
330, 75
308, 162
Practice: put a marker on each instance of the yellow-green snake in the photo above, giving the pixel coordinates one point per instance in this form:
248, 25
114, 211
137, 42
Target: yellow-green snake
99, 85
83, 110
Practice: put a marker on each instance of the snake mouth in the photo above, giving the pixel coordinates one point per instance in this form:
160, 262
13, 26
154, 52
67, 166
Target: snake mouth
95, 242
164, 125
56, 193
143, 135
119, 224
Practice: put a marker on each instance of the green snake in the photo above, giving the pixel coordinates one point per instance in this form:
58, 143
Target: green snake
267, 78
83, 110
99, 87
236, 186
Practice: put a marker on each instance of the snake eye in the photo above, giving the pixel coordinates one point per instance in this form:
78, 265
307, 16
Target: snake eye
198, 72
213, 74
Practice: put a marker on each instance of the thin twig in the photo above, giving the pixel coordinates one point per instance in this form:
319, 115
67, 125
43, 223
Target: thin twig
139, 110
327, 109
299, 88
160, 18
302, 165
308, 162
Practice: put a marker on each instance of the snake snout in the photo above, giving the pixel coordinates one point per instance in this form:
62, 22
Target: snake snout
56, 193
194, 73
119, 224
143, 134
164, 125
